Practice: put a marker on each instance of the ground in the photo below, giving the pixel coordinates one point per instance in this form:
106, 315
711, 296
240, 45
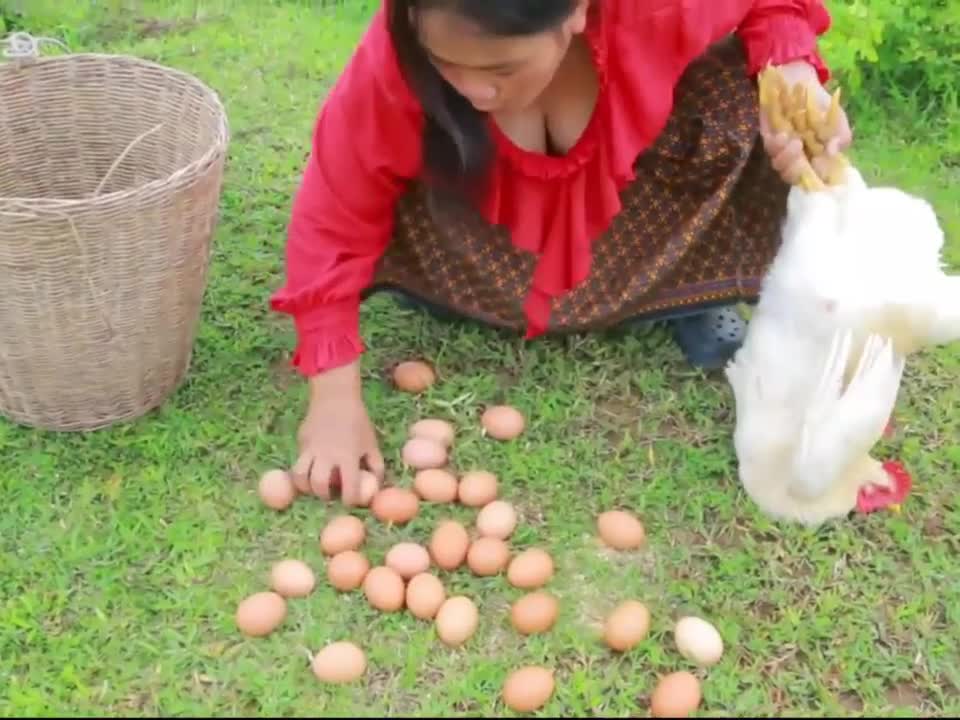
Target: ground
126, 551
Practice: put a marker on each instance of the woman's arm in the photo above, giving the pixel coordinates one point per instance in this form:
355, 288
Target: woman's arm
774, 32
366, 146
784, 31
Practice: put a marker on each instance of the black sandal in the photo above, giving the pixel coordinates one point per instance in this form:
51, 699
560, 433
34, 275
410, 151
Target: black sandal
711, 338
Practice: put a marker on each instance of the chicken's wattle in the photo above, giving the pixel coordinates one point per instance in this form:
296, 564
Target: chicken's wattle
877, 498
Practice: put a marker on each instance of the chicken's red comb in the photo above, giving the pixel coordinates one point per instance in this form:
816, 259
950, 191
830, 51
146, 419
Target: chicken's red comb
875, 498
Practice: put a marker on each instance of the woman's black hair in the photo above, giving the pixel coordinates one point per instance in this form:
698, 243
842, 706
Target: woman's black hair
457, 146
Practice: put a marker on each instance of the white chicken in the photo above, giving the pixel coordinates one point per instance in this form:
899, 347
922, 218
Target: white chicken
857, 287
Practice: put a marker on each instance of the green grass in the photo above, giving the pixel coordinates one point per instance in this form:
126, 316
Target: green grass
123, 553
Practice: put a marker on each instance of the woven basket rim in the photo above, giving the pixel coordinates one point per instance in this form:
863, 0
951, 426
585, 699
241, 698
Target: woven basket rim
14, 203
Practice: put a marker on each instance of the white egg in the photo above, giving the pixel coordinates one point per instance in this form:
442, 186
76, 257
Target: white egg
698, 641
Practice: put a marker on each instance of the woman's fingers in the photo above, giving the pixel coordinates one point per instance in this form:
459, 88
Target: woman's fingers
349, 480
300, 472
843, 138
313, 475
370, 452
822, 165
320, 474
783, 150
776, 143
375, 462
790, 161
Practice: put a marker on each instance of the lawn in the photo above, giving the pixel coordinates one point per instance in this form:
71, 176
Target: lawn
125, 552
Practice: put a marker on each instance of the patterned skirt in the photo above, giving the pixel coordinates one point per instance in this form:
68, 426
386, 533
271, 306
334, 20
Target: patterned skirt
699, 226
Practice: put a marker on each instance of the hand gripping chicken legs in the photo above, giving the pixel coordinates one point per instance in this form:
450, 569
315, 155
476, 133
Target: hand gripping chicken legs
857, 287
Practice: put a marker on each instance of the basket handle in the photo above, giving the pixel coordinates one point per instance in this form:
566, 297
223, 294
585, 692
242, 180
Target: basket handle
121, 156
24, 46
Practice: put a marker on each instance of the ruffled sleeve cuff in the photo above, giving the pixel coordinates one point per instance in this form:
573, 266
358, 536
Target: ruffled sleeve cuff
779, 38
328, 336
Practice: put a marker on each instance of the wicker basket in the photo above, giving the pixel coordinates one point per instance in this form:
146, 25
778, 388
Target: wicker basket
110, 177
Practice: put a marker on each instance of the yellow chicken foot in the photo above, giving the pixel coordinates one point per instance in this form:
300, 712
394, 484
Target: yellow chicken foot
794, 111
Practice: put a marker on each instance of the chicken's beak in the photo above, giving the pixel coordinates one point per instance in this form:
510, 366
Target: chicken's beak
895, 508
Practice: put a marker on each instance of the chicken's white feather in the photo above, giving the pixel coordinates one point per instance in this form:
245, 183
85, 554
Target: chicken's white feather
857, 285
842, 423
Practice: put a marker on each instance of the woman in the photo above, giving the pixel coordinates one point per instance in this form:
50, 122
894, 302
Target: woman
540, 165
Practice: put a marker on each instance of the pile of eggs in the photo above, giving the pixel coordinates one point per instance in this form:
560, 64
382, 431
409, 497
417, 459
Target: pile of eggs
405, 579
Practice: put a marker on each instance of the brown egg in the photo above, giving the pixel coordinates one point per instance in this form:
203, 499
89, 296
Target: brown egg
422, 453
384, 589
276, 489
502, 422
408, 559
339, 662
413, 376
488, 556
534, 613
440, 431
449, 545
677, 695
425, 595
528, 689
343, 533
292, 578
436, 486
347, 570
395, 505
477, 488
457, 620
626, 626
530, 569
621, 530
497, 519
369, 487
261, 613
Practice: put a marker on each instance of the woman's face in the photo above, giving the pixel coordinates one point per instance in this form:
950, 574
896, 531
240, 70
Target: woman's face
496, 73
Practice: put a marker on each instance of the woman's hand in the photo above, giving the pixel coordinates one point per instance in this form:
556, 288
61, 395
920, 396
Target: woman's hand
336, 437
787, 151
